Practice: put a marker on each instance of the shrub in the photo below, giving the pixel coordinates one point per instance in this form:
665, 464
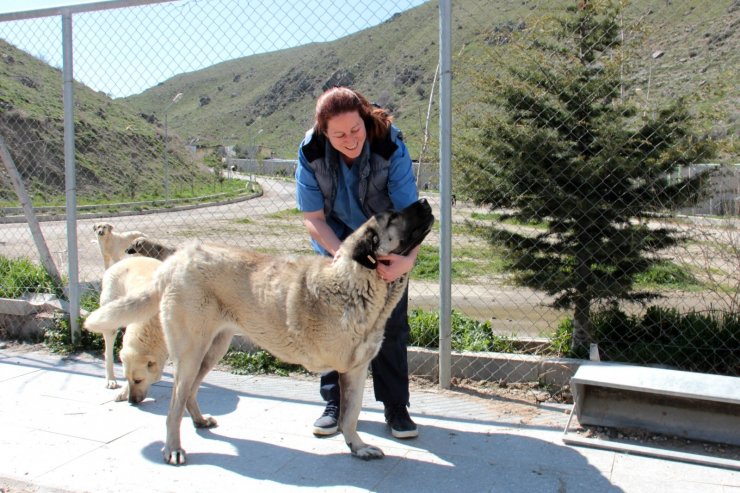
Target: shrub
243, 363
694, 341
467, 334
19, 276
59, 338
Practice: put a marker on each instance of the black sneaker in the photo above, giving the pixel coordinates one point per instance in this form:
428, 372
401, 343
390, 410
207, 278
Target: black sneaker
400, 422
328, 423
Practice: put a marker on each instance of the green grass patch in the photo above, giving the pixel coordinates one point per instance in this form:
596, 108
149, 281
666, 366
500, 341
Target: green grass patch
467, 334
260, 362
285, 213
200, 192
668, 275
467, 263
493, 216
19, 276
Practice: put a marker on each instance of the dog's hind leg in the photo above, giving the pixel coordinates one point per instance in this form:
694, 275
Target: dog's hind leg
188, 376
185, 374
109, 339
351, 387
219, 346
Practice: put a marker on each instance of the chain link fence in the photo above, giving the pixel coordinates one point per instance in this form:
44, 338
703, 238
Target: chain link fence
578, 190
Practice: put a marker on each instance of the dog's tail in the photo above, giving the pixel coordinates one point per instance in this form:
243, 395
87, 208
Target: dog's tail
138, 307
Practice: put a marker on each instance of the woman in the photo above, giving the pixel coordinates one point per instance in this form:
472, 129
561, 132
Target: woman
352, 165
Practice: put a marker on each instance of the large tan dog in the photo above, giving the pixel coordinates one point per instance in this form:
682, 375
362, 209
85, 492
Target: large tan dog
143, 352
308, 310
113, 245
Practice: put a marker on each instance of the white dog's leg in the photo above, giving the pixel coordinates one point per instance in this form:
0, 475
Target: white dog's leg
219, 346
109, 339
184, 376
191, 366
351, 387
123, 396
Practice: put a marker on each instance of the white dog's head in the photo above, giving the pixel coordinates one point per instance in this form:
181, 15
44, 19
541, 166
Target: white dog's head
141, 371
102, 229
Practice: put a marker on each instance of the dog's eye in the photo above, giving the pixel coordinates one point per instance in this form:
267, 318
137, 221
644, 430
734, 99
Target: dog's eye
138, 381
151, 363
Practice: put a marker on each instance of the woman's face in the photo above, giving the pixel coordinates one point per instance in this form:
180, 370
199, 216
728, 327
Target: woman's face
346, 133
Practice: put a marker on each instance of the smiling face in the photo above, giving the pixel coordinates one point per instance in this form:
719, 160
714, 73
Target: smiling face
346, 133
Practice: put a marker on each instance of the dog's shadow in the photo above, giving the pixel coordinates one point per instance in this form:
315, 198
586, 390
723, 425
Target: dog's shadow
440, 460
158, 398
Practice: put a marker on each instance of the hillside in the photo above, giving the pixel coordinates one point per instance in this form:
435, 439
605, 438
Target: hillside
269, 97
119, 154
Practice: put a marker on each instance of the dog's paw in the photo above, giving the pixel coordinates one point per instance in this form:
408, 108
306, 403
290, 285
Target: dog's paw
112, 384
174, 457
367, 452
206, 422
123, 396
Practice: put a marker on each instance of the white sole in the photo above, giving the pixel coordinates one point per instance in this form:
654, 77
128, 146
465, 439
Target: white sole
322, 432
405, 434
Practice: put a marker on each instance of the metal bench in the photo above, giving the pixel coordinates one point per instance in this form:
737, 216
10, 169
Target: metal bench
688, 405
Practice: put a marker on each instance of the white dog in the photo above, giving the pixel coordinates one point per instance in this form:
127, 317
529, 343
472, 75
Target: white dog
144, 352
113, 245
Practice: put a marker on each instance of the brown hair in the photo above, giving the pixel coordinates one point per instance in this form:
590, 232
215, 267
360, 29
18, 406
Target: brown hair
338, 100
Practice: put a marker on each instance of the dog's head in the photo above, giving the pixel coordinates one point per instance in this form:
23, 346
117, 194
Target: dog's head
143, 246
102, 229
148, 248
389, 232
141, 371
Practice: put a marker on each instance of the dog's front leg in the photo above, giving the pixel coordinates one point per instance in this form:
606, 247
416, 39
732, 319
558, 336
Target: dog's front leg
351, 387
123, 396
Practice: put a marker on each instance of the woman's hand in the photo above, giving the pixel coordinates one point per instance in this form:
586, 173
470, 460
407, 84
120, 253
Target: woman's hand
391, 267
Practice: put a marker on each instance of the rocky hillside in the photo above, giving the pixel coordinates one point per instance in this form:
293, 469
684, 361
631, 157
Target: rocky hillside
119, 153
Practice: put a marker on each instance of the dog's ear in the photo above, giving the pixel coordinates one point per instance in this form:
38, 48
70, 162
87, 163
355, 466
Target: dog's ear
364, 251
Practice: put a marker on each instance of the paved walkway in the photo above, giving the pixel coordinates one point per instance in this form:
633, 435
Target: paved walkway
60, 431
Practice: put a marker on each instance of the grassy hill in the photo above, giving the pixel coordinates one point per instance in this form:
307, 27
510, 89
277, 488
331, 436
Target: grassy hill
119, 154
394, 64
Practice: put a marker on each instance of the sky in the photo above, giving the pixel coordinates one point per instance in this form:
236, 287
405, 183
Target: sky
124, 51
24, 5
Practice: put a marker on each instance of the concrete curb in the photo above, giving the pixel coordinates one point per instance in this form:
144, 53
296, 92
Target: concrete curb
512, 368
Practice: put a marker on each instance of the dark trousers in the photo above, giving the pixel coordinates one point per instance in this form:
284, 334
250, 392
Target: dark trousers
390, 367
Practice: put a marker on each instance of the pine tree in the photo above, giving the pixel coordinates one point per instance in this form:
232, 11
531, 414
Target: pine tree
556, 143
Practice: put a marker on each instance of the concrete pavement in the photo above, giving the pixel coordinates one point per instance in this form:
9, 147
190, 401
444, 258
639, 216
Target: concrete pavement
60, 431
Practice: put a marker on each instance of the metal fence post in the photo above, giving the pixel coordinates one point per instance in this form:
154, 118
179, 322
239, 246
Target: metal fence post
445, 192
70, 176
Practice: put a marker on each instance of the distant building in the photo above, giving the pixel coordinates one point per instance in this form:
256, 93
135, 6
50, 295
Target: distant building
724, 195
